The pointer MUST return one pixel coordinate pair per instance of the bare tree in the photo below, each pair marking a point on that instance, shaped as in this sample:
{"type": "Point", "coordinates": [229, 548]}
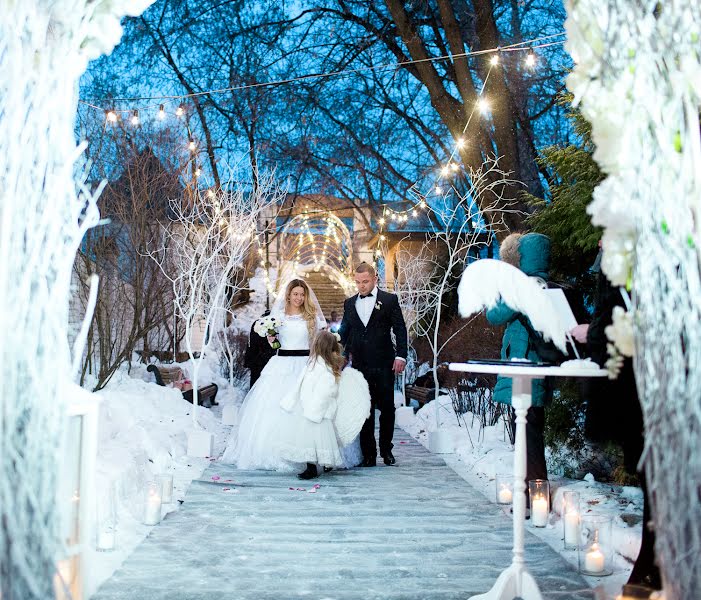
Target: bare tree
{"type": "Point", "coordinates": [427, 277]}
{"type": "Point", "coordinates": [134, 302]}
{"type": "Point", "coordinates": [209, 241]}
{"type": "Point", "coordinates": [369, 135]}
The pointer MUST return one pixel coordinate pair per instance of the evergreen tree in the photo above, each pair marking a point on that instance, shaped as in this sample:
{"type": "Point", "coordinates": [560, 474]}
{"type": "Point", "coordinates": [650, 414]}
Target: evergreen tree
{"type": "Point", "coordinates": [562, 214]}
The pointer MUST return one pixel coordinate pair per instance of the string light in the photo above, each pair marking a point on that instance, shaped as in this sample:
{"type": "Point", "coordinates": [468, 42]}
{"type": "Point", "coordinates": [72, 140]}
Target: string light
{"type": "Point", "coordinates": [452, 166]}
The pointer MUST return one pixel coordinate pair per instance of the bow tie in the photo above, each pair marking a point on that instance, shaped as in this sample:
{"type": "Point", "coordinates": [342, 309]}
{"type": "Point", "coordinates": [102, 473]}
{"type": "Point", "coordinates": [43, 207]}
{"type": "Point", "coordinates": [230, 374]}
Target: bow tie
{"type": "Point", "coordinates": [365, 296]}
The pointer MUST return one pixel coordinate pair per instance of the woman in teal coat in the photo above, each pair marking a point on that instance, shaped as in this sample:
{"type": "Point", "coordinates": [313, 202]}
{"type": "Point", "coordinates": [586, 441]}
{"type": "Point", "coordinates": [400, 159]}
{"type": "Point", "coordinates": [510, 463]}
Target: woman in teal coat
{"type": "Point", "coordinates": [531, 254]}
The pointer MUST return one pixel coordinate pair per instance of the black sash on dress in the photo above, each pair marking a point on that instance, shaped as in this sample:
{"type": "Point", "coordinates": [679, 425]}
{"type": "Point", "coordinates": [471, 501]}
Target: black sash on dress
{"type": "Point", "coordinates": [282, 352]}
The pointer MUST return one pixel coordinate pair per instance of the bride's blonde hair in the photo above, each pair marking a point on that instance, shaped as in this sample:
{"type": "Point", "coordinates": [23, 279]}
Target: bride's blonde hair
{"type": "Point", "coordinates": [327, 348]}
{"type": "Point", "coordinates": [308, 310]}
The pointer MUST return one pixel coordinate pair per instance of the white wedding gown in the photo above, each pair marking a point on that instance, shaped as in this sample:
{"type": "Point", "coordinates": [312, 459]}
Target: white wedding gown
{"type": "Point", "coordinates": [253, 446]}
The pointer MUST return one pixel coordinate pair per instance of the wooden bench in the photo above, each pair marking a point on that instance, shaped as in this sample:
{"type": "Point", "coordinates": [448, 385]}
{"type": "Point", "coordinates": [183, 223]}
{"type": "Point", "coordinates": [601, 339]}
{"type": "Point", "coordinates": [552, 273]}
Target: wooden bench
{"type": "Point", "coordinates": [206, 395]}
{"type": "Point", "coordinates": [421, 394]}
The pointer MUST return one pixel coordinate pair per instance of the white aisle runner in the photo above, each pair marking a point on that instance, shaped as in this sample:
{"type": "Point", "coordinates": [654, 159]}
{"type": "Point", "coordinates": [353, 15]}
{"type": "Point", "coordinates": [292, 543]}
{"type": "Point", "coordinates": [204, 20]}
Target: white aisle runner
{"type": "Point", "coordinates": [414, 531]}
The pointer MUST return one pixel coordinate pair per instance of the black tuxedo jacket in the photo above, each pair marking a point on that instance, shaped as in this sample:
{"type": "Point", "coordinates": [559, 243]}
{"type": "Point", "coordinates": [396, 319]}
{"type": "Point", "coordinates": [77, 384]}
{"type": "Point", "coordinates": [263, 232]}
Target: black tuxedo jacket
{"type": "Point", "coordinates": [371, 345]}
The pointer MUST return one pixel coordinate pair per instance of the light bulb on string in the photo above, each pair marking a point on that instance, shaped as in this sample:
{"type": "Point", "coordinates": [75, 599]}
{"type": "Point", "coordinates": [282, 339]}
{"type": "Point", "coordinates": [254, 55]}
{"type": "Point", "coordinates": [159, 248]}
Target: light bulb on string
{"type": "Point", "coordinates": [530, 59]}
{"type": "Point", "coordinates": [192, 146]}
{"type": "Point", "coordinates": [422, 204]}
{"type": "Point", "coordinates": [135, 117]}
{"type": "Point", "coordinates": [161, 112]}
{"type": "Point", "coordinates": [198, 172]}
{"type": "Point", "coordinates": [439, 190]}
{"type": "Point", "coordinates": [111, 116]}
{"type": "Point", "coordinates": [483, 105]}
{"type": "Point", "coordinates": [382, 221]}
{"type": "Point", "coordinates": [494, 61]}
{"type": "Point", "coordinates": [445, 171]}
{"type": "Point", "coordinates": [180, 111]}
{"type": "Point", "coordinates": [454, 166]}
{"type": "Point", "coordinates": [414, 213]}
{"type": "Point", "coordinates": [461, 143]}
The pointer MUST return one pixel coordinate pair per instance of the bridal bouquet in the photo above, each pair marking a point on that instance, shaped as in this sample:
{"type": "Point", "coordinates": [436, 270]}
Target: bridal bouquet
{"type": "Point", "coordinates": [268, 327]}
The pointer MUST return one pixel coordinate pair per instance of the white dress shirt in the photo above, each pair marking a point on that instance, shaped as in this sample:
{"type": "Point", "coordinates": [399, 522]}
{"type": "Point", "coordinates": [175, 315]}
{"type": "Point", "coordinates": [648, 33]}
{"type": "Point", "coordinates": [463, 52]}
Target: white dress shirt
{"type": "Point", "coordinates": [365, 306]}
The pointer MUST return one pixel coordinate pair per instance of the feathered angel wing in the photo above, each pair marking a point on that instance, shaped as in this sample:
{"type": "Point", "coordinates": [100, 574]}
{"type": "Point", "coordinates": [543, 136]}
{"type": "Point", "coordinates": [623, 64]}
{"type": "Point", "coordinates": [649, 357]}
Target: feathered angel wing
{"type": "Point", "coordinates": [485, 281]}
{"type": "Point", "coordinates": [353, 406]}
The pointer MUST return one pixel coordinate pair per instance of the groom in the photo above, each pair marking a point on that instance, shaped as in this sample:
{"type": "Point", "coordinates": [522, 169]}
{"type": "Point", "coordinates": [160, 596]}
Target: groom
{"type": "Point", "coordinates": [369, 318]}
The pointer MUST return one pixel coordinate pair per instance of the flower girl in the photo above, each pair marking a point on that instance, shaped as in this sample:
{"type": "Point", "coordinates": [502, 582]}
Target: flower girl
{"type": "Point", "coordinates": [309, 434]}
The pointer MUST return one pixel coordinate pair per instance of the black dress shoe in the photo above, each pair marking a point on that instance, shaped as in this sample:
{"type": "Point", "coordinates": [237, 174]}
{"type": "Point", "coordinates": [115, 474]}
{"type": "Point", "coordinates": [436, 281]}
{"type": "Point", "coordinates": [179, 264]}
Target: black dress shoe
{"type": "Point", "coordinates": [389, 459]}
{"type": "Point", "coordinates": [328, 469]}
{"type": "Point", "coordinates": [309, 473]}
{"type": "Point", "coordinates": [369, 462]}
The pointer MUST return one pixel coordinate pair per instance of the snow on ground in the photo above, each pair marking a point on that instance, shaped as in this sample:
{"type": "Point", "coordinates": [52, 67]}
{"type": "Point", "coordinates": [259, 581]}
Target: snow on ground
{"type": "Point", "coordinates": [142, 433]}
{"type": "Point", "coordinates": [478, 459]}
{"type": "Point", "coordinates": [255, 307]}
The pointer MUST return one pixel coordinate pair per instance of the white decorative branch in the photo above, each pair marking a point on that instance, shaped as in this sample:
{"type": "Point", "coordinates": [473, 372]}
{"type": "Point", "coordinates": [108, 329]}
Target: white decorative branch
{"type": "Point", "coordinates": [638, 80]}
{"type": "Point", "coordinates": [207, 242]}
{"type": "Point", "coordinates": [44, 48]}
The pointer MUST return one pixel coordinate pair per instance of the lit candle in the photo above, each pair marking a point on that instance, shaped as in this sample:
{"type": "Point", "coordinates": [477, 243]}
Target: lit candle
{"type": "Point", "coordinates": [594, 560]}
{"type": "Point", "coordinates": [539, 511]}
{"type": "Point", "coordinates": [152, 511]}
{"type": "Point", "coordinates": [571, 528]}
{"type": "Point", "coordinates": [505, 495]}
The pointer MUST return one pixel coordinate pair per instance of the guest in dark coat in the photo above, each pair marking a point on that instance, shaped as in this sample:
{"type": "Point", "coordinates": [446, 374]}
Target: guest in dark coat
{"type": "Point", "coordinates": [258, 352]}
{"type": "Point", "coordinates": [613, 414]}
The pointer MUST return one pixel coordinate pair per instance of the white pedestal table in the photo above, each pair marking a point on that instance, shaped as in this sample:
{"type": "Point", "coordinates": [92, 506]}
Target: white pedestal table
{"type": "Point", "coordinates": [515, 581]}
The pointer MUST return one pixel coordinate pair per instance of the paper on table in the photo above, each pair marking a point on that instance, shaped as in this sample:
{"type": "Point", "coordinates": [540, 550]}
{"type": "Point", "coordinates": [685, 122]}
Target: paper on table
{"type": "Point", "coordinates": [562, 308]}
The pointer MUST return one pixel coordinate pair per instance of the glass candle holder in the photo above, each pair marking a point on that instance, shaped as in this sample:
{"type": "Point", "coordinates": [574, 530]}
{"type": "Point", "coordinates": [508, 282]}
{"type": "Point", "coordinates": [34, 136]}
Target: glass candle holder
{"type": "Point", "coordinates": [152, 503]}
{"type": "Point", "coordinates": [107, 520]}
{"type": "Point", "coordinates": [595, 550]}
{"type": "Point", "coordinates": [632, 591]}
{"type": "Point", "coordinates": [570, 518]}
{"type": "Point", "coordinates": [166, 480]}
{"type": "Point", "coordinates": [539, 493]}
{"type": "Point", "coordinates": [504, 488]}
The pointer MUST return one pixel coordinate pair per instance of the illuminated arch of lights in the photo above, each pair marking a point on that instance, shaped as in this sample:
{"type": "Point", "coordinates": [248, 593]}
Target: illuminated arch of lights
{"type": "Point", "coordinates": [317, 242]}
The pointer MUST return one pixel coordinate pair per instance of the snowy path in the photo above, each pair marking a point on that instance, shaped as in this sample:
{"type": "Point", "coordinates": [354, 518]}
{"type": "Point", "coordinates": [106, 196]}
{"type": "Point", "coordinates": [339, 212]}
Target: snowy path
{"type": "Point", "coordinates": [410, 532]}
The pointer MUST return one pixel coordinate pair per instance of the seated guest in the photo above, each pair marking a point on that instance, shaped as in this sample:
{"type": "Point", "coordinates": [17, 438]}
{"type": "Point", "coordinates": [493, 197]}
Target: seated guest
{"type": "Point", "coordinates": [335, 322]}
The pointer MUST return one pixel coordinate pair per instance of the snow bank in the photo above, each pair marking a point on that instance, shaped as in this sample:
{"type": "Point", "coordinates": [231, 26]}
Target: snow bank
{"type": "Point", "coordinates": [142, 433]}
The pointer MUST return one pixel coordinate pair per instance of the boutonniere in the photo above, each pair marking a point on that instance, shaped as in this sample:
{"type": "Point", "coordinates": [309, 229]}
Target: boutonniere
{"type": "Point", "coordinates": [378, 305]}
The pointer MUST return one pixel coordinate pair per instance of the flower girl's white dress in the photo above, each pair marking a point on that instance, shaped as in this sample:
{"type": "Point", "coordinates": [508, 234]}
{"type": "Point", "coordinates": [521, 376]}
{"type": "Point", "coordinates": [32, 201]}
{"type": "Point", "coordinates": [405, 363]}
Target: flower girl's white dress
{"type": "Point", "coordinates": [308, 434]}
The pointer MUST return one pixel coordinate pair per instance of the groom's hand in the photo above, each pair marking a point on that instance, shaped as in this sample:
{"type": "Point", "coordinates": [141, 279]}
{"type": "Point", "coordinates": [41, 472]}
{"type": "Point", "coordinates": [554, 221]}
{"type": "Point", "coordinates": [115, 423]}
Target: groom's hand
{"type": "Point", "coordinates": [398, 366]}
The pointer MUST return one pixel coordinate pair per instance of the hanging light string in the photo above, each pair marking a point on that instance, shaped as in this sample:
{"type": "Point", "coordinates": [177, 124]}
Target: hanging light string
{"type": "Point", "coordinates": [161, 100]}
{"type": "Point", "coordinates": [400, 216]}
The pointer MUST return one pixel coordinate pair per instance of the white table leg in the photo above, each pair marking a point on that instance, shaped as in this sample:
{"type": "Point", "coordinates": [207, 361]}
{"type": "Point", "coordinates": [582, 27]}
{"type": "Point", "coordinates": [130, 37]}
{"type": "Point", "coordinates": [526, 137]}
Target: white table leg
{"type": "Point", "coordinates": [515, 581]}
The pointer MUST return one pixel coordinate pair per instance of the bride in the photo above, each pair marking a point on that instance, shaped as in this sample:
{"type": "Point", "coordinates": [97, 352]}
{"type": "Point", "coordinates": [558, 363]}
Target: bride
{"type": "Point", "coordinates": [252, 446]}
